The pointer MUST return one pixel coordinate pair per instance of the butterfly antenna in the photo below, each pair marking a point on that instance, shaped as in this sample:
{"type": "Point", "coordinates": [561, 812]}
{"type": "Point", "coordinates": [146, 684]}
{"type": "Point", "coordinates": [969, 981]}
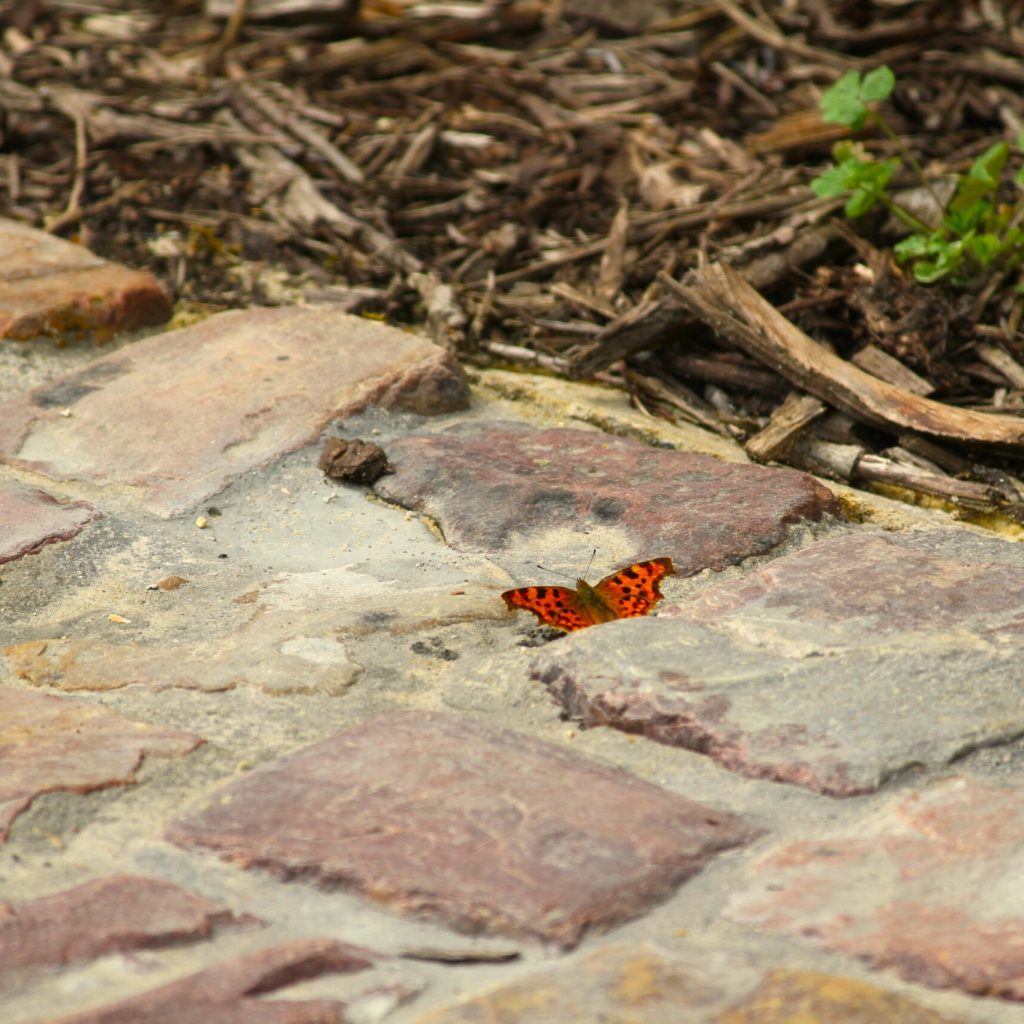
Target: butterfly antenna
{"type": "Point", "coordinates": [554, 572]}
{"type": "Point", "coordinates": [590, 563]}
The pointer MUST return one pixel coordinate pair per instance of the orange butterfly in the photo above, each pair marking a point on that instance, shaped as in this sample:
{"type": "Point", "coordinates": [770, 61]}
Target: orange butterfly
{"type": "Point", "coordinates": [625, 594]}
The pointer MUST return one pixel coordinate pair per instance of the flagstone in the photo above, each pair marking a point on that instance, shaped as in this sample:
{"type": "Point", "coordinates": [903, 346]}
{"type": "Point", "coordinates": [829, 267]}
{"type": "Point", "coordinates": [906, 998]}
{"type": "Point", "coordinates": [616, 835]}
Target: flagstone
{"type": "Point", "coordinates": [927, 885]}
{"type": "Point", "coordinates": [491, 485]}
{"type": "Point", "coordinates": [834, 668]}
{"type": "Point", "coordinates": [113, 914]}
{"type": "Point", "coordinates": [442, 815]}
{"type": "Point", "coordinates": [171, 420]}
{"type": "Point", "coordinates": [49, 286]}
{"type": "Point", "coordinates": [31, 518]}
{"type": "Point", "coordinates": [789, 997]}
{"type": "Point", "coordinates": [615, 984]}
{"type": "Point", "coordinates": [54, 744]}
{"type": "Point", "coordinates": [235, 991]}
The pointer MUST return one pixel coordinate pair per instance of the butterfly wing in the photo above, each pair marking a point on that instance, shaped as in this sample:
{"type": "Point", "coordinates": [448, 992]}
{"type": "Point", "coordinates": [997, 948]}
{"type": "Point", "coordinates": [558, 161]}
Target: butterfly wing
{"type": "Point", "coordinates": [554, 606]}
{"type": "Point", "coordinates": [634, 590]}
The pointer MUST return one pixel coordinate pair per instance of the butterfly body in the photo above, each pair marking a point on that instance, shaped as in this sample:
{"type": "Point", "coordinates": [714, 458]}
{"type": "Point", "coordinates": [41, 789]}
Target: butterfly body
{"type": "Point", "coordinates": [627, 593]}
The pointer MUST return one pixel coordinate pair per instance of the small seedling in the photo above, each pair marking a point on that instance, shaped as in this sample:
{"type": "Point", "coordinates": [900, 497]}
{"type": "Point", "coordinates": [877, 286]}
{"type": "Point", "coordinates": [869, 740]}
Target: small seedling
{"type": "Point", "coordinates": [976, 233]}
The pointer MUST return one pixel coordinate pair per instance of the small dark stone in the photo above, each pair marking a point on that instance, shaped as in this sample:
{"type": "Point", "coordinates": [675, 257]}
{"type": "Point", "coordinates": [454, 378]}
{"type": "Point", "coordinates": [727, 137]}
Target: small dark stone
{"type": "Point", "coordinates": [434, 648]}
{"type": "Point", "coordinates": [360, 462]}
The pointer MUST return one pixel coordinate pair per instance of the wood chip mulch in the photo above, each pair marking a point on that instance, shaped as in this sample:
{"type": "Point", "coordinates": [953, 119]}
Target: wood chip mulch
{"type": "Point", "coordinates": [597, 190]}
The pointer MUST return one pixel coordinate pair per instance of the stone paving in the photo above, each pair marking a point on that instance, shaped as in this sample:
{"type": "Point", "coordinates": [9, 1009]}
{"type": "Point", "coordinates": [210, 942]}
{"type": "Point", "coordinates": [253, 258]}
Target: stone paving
{"type": "Point", "coordinates": [273, 749]}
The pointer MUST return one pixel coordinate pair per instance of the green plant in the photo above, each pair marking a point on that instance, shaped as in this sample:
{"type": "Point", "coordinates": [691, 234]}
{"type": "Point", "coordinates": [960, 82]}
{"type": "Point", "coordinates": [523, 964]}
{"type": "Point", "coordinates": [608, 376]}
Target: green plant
{"type": "Point", "coordinates": [976, 232]}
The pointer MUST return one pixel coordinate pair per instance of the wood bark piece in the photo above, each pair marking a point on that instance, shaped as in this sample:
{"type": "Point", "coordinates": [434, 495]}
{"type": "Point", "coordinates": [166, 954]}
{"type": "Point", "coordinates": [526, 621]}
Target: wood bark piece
{"type": "Point", "coordinates": [681, 399]}
{"type": "Point", "coordinates": [267, 10]}
{"type": "Point", "coordinates": [610, 276]}
{"type": "Point", "coordinates": [788, 420]}
{"type": "Point", "coordinates": [945, 459]}
{"type": "Point", "coordinates": [658, 319]}
{"type": "Point", "coordinates": [293, 197]}
{"type": "Point", "coordinates": [722, 299]}
{"type": "Point", "coordinates": [958, 492]}
{"type": "Point", "coordinates": [1001, 360]}
{"type": "Point", "coordinates": [853, 464]}
{"type": "Point", "coordinates": [799, 130]}
{"type": "Point", "coordinates": [826, 458]}
{"type": "Point", "coordinates": [880, 364]}
{"type": "Point", "coordinates": [290, 122]}
{"type": "Point", "coordinates": [729, 375]}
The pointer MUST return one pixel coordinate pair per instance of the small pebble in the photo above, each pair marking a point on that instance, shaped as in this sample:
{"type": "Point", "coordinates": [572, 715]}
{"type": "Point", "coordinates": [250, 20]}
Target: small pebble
{"type": "Point", "coordinates": [172, 582]}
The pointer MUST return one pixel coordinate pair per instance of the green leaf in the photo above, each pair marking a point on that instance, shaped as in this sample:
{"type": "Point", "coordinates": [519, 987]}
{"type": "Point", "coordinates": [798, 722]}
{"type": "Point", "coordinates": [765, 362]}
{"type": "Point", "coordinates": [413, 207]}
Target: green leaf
{"type": "Point", "coordinates": [842, 104]}
{"type": "Point", "coordinates": [847, 149]}
{"type": "Point", "coordinates": [963, 218]}
{"type": "Point", "coordinates": [983, 248]}
{"type": "Point", "coordinates": [927, 272]}
{"type": "Point", "coordinates": [949, 259]}
{"type": "Point", "coordinates": [846, 102]}
{"type": "Point", "coordinates": [912, 247]}
{"type": "Point", "coordinates": [878, 175]}
{"type": "Point", "coordinates": [833, 182]}
{"type": "Point", "coordinates": [989, 166]}
{"type": "Point", "coordinates": [860, 202]}
{"type": "Point", "coordinates": [1018, 178]}
{"type": "Point", "coordinates": [945, 256]}
{"type": "Point", "coordinates": [878, 84]}
{"type": "Point", "coordinates": [867, 182]}
{"type": "Point", "coordinates": [983, 177]}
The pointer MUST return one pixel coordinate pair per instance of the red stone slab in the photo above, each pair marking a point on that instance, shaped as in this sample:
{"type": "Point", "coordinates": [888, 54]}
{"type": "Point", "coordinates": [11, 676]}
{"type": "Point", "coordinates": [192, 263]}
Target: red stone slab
{"type": "Point", "coordinates": [106, 915]}
{"type": "Point", "coordinates": [52, 287]}
{"type": "Point", "coordinates": [176, 417]}
{"type": "Point", "coordinates": [50, 744]}
{"type": "Point", "coordinates": [864, 587]}
{"type": "Point", "coordinates": [486, 484]}
{"type": "Point", "coordinates": [30, 519]}
{"type": "Point", "coordinates": [929, 885]}
{"type": "Point", "coordinates": [234, 992]}
{"type": "Point", "coordinates": [487, 829]}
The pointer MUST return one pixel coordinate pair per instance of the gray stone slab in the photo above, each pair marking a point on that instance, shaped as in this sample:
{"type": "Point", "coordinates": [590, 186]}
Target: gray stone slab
{"type": "Point", "coordinates": [486, 829]}
{"type": "Point", "coordinates": [31, 518]}
{"type": "Point", "coordinates": [49, 286]}
{"type": "Point", "coordinates": [487, 484]}
{"type": "Point", "coordinates": [834, 668]}
{"type": "Point", "coordinates": [927, 885]}
{"type": "Point", "coordinates": [173, 419]}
